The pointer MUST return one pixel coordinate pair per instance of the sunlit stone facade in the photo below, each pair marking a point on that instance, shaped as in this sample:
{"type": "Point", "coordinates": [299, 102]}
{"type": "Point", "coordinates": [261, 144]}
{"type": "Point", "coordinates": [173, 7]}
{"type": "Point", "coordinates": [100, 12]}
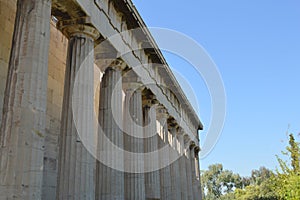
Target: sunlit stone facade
{"type": "Point", "coordinates": [53, 107]}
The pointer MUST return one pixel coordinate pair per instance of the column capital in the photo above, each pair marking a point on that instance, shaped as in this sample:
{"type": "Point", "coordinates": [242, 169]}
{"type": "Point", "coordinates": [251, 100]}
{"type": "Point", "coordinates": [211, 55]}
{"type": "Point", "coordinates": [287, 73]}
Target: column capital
{"type": "Point", "coordinates": [172, 124]}
{"type": "Point", "coordinates": [149, 100]}
{"type": "Point", "coordinates": [118, 64]}
{"type": "Point", "coordinates": [197, 149]}
{"type": "Point", "coordinates": [180, 131]}
{"type": "Point", "coordinates": [148, 103]}
{"type": "Point", "coordinates": [78, 27]}
{"type": "Point", "coordinates": [162, 112]}
{"type": "Point", "coordinates": [192, 145]}
{"type": "Point", "coordinates": [132, 84]}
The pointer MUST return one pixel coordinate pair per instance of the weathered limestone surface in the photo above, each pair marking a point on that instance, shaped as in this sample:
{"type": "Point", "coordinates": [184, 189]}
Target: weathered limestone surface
{"type": "Point", "coordinates": [133, 121]}
{"type": "Point", "coordinates": [193, 170]}
{"type": "Point", "coordinates": [7, 18]}
{"type": "Point", "coordinates": [152, 179]}
{"type": "Point", "coordinates": [188, 172]}
{"type": "Point", "coordinates": [56, 63]}
{"type": "Point", "coordinates": [165, 173]}
{"type": "Point", "coordinates": [198, 182]}
{"type": "Point", "coordinates": [24, 108]}
{"type": "Point", "coordinates": [175, 170]}
{"type": "Point", "coordinates": [182, 167]}
{"type": "Point", "coordinates": [56, 72]}
{"type": "Point", "coordinates": [110, 182]}
{"type": "Point", "coordinates": [77, 166]}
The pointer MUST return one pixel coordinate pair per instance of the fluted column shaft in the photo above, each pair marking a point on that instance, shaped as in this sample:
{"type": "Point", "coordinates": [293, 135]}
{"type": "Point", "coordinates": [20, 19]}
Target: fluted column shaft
{"type": "Point", "coordinates": [189, 172]}
{"type": "Point", "coordinates": [198, 175]}
{"type": "Point", "coordinates": [194, 175]}
{"type": "Point", "coordinates": [175, 170]}
{"type": "Point", "coordinates": [76, 164]}
{"type": "Point", "coordinates": [182, 166]}
{"type": "Point", "coordinates": [24, 109]}
{"type": "Point", "coordinates": [152, 180]}
{"type": "Point", "coordinates": [165, 173]}
{"type": "Point", "coordinates": [110, 181]}
{"type": "Point", "coordinates": [134, 182]}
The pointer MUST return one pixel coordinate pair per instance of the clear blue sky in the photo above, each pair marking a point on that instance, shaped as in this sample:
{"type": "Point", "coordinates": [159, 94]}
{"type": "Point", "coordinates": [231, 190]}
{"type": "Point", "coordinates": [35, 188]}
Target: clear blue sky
{"type": "Point", "coordinates": [256, 46]}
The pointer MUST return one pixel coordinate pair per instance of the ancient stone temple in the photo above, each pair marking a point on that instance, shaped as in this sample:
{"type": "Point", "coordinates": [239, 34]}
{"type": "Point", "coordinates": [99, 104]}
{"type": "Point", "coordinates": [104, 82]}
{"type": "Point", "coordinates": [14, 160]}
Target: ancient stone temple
{"type": "Point", "coordinates": [91, 109]}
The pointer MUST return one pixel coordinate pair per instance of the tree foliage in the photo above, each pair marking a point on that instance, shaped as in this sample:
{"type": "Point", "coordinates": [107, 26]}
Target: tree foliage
{"type": "Point", "coordinates": [216, 182]}
{"type": "Point", "coordinates": [287, 179]}
{"type": "Point", "coordinates": [263, 184]}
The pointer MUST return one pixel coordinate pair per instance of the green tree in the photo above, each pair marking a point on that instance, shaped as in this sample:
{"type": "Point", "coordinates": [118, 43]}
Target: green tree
{"type": "Point", "coordinates": [261, 175]}
{"type": "Point", "coordinates": [217, 182]}
{"type": "Point", "coordinates": [220, 184]}
{"type": "Point", "coordinates": [211, 182]}
{"type": "Point", "coordinates": [295, 154]}
{"type": "Point", "coordinates": [287, 181]}
{"type": "Point", "coordinates": [260, 188]}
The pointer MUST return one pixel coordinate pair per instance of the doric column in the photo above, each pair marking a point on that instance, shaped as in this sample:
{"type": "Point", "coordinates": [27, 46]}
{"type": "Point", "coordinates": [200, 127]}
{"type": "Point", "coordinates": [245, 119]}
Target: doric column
{"type": "Point", "coordinates": [110, 181]}
{"type": "Point", "coordinates": [133, 140]}
{"type": "Point", "coordinates": [182, 166]}
{"type": "Point", "coordinates": [76, 164]}
{"type": "Point", "coordinates": [195, 171]}
{"type": "Point", "coordinates": [175, 170]}
{"type": "Point", "coordinates": [152, 180]}
{"type": "Point", "coordinates": [165, 173]}
{"type": "Point", "coordinates": [198, 175]}
{"type": "Point", "coordinates": [25, 99]}
{"type": "Point", "coordinates": [188, 169]}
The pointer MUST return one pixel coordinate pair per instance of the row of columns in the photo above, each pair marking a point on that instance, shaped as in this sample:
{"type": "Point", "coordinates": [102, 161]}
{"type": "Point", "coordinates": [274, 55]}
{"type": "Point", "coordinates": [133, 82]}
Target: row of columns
{"type": "Point", "coordinates": [80, 176]}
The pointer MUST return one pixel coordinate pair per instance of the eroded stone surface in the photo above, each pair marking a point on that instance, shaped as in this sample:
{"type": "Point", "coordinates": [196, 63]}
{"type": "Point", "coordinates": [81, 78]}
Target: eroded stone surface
{"type": "Point", "coordinates": [24, 108]}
